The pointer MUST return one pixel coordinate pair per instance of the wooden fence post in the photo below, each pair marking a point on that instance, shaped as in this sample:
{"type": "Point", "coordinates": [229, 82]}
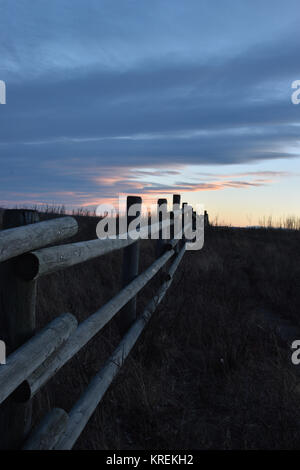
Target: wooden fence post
{"type": "Point", "coordinates": [176, 205]}
{"type": "Point", "coordinates": [160, 246]}
{"type": "Point", "coordinates": [131, 255]}
{"type": "Point", "coordinates": [17, 325]}
{"type": "Point", "coordinates": [161, 242]}
{"type": "Point", "coordinates": [183, 222]}
{"type": "Point", "coordinates": [206, 219]}
{"type": "Point", "coordinates": [194, 215]}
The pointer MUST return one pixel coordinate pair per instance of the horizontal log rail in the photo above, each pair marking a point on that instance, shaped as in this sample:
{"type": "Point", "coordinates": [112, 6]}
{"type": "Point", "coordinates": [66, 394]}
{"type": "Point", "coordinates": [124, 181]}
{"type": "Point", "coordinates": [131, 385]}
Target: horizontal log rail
{"type": "Point", "coordinates": [32, 364]}
{"type": "Point", "coordinates": [21, 363]}
{"type": "Point", "coordinates": [19, 240]}
{"type": "Point", "coordinates": [47, 434]}
{"type": "Point", "coordinates": [48, 260]}
{"type": "Point", "coordinates": [84, 408]}
{"type": "Point", "coordinates": [86, 331]}
{"type": "Point", "coordinates": [172, 243]}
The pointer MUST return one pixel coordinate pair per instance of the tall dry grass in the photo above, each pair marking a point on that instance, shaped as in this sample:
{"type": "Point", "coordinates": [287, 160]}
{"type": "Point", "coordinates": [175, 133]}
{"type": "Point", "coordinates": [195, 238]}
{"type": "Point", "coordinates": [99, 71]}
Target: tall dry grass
{"type": "Point", "coordinates": [289, 223]}
{"type": "Point", "coordinates": [205, 374]}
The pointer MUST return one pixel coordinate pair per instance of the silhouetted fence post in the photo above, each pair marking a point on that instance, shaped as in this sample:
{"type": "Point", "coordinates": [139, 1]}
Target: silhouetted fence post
{"type": "Point", "coordinates": [131, 256]}
{"type": "Point", "coordinates": [206, 219]}
{"type": "Point", "coordinates": [26, 256]}
{"type": "Point", "coordinates": [184, 204]}
{"type": "Point", "coordinates": [174, 227]}
{"type": "Point", "coordinates": [194, 215]}
{"type": "Point", "coordinates": [17, 325]}
{"type": "Point", "coordinates": [162, 216]}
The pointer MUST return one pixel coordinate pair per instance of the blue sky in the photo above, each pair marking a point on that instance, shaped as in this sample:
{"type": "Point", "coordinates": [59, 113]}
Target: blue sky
{"type": "Point", "coordinates": [151, 98]}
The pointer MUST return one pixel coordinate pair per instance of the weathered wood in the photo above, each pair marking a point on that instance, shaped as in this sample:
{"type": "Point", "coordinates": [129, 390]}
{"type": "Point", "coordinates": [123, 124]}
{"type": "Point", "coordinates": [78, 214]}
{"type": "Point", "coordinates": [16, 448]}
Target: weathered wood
{"type": "Point", "coordinates": [176, 200]}
{"type": "Point", "coordinates": [176, 207]}
{"type": "Point", "coordinates": [17, 321]}
{"type": "Point", "coordinates": [84, 408]}
{"type": "Point", "coordinates": [16, 241]}
{"type": "Point", "coordinates": [176, 262]}
{"type": "Point", "coordinates": [147, 230]}
{"type": "Point", "coordinates": [21, 363]}
{"type": "Point", "coordinates": [24, 376]}
{"type": "Point", "coordinates": [174, 243]}
{"type": "Point", "coordinates": [206, 219]}
{"type": "Point", "coordinates": [184, 204]}
{"type": "Point", "coordinates": [187, 221]}
{"type": "Point", "coordinates": [88, 329]}
{"type": "Point", "coordinates": [17, 298]}
{"type": "Point", "coordinates": [162, 242]}
{"type": "Point", "coordinates": [131, 256]}
{"type": "Point", "coordinates": [49, 431]}
{"type": "Point", "coordinates": [175, 228]}
{"type": "Point", "coordinates": [48, 260]}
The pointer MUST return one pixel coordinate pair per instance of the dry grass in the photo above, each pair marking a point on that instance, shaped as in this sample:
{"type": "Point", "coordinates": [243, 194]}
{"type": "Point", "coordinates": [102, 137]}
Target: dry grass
{"type": "Point", "coordinates": [288, 223]}
{"type": "Point", "coordinates": [204, 375]}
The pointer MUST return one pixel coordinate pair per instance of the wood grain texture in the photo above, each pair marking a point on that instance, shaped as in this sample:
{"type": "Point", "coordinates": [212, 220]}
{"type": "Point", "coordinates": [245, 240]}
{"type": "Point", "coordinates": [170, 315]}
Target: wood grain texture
{"type": "Point", "coordinates": [16, 241]}
{"type": "Point", "coordinates": [21, 363]}
{"type": "Point", "coordinates": [84, 408]}
{"type": "Point", "coordinates": [89, 328]}
{"type": "Point", "coordinates": [49, 431]}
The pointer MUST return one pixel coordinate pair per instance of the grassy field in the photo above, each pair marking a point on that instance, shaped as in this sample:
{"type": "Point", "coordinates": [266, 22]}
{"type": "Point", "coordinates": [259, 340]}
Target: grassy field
{"type": "Point", "coordinates": [207, 373]}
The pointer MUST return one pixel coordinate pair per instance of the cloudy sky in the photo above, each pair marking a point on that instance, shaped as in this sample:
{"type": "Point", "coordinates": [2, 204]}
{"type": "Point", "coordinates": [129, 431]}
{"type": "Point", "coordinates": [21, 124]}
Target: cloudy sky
{"type": "Point", "coordinates": [108, 97]}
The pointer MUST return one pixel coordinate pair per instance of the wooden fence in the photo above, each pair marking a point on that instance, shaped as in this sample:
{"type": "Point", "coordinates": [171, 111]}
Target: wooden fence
{"type": "Point", "coordinates": [33, 358]}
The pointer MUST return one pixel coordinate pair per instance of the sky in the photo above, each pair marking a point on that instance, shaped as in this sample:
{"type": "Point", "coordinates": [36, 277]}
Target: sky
{"type": "Point", "coordinates": [109, 97]}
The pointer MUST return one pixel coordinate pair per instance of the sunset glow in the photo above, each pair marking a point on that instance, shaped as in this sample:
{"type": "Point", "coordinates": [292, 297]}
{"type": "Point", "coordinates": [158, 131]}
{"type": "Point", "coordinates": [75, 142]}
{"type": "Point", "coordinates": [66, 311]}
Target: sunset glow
{"type": "Point", "coordinates": [196, 101]}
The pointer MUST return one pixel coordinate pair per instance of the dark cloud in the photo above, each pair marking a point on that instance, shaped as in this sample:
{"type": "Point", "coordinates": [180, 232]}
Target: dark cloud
{"type": "Point", "coordinates": [63, 124]}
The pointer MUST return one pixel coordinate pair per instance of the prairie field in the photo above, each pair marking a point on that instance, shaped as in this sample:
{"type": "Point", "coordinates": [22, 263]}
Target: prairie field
{"type": "Point", "coordinates": [210, 371]}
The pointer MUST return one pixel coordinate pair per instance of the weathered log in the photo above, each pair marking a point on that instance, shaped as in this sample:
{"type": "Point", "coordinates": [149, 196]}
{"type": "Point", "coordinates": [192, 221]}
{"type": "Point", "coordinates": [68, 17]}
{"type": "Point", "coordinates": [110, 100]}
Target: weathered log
{"type": "Point", "coordinates": [161, 244]}
{"type": "Point", "coordinates": [85, 407]}
{"type": "Point", "coordinates": [49, 431]}
{"type": "Point", "coordinates": [175, 235]}
{"type": "Point", "coordinates": [87, 330]}
{"type": "Point", "coordinates": [173, 243]}
{"type": "Point", "coordinates": [21, 363]}
{"type": "Point", "coordinates": [16, 241]}
{"type": "Point", "coordinates": [130, 267]}
{"type": "Point", "coordinates": [17, 325]}
{"type": "Point", "coordinates": [176, 262]}
{"type": "Point", "coordinates": [48, 260]}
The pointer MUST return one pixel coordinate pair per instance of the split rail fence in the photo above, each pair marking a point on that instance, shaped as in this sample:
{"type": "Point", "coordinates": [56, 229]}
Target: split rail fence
{"type": "Point", "coordinates": [33, 358]}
